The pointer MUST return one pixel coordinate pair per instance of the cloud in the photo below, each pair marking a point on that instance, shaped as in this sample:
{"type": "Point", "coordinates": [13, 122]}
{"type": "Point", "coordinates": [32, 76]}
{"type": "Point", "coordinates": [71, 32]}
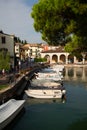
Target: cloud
{"type": "Point", "coordinates": [15, 19]}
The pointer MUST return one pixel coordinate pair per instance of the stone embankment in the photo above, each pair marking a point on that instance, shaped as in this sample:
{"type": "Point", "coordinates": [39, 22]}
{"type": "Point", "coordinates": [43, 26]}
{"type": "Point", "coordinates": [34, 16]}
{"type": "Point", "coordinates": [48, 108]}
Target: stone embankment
{"type": "Point", "coordinates": [16, 88]}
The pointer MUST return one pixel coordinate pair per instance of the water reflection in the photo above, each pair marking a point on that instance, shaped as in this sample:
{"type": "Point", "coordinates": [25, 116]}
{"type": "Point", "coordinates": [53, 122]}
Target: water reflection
{"type": "Point", "coordinates": [75, 73]}
{"type": "Point", "coordinates": [34, 101]}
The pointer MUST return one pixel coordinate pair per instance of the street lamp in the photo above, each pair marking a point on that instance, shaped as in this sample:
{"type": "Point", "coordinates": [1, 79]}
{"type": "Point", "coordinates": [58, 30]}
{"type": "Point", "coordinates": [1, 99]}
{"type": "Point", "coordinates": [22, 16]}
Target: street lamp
{"type": "Point", "coordinates": [30, 54]}
{"type": "Point", "coordinates": [19, 63]}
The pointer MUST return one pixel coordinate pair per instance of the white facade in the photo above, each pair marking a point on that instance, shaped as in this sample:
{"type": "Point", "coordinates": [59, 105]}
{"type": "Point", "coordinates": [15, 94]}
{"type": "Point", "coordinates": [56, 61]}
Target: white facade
{"type": "Point", "coordinates": [59, 57]}
{"type": "Point", "coordinates": [32, 50]}
{"type": "Point", "coordinates": [17, 50]}
{"type": "Point", "coordinates": [55, 56]}
{"type": "Point", "coordinates": [7, 42]}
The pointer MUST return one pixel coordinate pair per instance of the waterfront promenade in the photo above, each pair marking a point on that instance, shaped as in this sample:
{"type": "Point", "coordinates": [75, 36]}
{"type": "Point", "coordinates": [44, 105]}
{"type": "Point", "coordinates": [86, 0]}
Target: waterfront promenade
{"type": "Point", "coordinates": [18, 82]}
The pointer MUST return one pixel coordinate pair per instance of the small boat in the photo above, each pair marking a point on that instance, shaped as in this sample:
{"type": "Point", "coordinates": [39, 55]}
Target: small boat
{"type": "Point", "coordinates": [49, 74]}
{"type": "Point", "coordinates": [45, 93]}
{"type": "Point", "coordinates": [44, 83]}
{"type": "Point", "coordinates": [53, 78]}
{"type": "Point", "coordinates": [9, 110]}
{"type": "Point", "coordinates": [45, 89]}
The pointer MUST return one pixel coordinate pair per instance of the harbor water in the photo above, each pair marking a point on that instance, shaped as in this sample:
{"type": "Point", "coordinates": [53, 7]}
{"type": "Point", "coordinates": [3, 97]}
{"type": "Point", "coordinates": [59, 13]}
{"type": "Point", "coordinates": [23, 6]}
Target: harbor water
{"type": "Point", "coordinates": [67, 114]}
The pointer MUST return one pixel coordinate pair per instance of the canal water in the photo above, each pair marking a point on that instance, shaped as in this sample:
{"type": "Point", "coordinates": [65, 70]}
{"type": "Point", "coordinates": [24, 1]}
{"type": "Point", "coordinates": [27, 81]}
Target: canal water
{"type": "Point", "coordinates": [69, 114]}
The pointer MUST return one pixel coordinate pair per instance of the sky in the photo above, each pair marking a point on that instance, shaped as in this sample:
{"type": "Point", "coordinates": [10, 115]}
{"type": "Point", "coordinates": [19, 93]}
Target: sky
{"type": "Point", "coordinates": [15, 18]}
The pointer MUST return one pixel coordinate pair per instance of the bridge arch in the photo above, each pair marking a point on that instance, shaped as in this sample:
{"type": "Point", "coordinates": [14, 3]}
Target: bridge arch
{"type": "Point", "coordinates": [54, 58]}
{"type": "Point", "coordinates": [70, 58]}
{"type": "Point", "coordinates": [62, 58]}
{"type": "Point", "coordinates": [47, 57]}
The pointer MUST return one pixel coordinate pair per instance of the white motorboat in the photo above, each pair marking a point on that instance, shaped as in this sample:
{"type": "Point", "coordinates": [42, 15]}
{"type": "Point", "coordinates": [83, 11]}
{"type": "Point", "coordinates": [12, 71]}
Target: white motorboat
{"type": "Point", "coordinates": [45, 93]}
{"type": "Point", "coordinates": [45, 89]}
{"type": "Point", "coordinates": [54, 73]}
{"type": "Point", "coordinates": [53, 78]}
{"type": "Point", "coordinates": [9, 110]}
{"type": "Point", "coordinates": [35, 83]}
{"type": "Point", "coordinates": [49, 75]}
{"type": "Point", "coordinates": [54, 68]}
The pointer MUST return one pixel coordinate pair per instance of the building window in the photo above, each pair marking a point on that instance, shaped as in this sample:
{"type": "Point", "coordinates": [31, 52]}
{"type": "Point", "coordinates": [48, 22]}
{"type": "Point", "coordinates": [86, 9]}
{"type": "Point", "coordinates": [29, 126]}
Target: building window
{"type": "Point", "coordinates": [30, 52]}
{"type": "Point", "coordinates": [3, 40]}
{"type": "Point", "coordinates": [17, 50]}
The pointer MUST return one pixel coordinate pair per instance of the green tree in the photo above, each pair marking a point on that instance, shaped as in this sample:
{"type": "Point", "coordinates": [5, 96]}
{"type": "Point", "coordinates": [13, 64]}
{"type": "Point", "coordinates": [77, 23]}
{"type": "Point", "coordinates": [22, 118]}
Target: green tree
{"type": "Point", "coordinates": [56, 20]}
{"type": "Point", "coordinates": [40, 60]}
{"type": "Point", "coordinates": [25, 42]}
{"type": "Point", "coordinates": [4, 60]}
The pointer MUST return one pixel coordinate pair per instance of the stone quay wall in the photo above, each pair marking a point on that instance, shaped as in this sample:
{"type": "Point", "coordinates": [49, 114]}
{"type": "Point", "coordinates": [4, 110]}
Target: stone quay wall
{"type": "Point", "coordinates": [16, 88]}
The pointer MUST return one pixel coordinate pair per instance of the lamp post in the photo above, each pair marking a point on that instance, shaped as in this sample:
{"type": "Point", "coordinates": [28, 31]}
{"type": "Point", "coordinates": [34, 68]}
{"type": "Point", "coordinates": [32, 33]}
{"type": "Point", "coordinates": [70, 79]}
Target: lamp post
{"type": "Point", "coordinates": [19, 63]}
{"type": "Point", "coordinates": [30, 54]}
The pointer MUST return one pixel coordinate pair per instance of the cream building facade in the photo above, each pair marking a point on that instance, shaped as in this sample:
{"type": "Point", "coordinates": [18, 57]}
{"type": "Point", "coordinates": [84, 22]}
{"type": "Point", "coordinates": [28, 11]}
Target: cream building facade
{"type": "Point", "coordinates": [7, 42]}
{"type": "Point", "coordinates": [58, 55]}
{"type": "Point", "coordinates": [33, 50]}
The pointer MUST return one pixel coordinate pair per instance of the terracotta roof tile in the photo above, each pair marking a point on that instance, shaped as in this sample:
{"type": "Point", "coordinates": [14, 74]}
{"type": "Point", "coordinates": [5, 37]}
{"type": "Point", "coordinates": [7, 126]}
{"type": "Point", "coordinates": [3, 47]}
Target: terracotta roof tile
{"type": "Point", "coordinates": [59, 49]}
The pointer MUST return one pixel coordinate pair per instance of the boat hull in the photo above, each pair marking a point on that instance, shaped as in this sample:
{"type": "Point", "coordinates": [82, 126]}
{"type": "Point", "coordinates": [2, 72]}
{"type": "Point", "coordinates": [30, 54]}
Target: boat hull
{"type": "Point", "coordinates": [9, 111]}
{"type": "Point", "coordinates": [45, 94]}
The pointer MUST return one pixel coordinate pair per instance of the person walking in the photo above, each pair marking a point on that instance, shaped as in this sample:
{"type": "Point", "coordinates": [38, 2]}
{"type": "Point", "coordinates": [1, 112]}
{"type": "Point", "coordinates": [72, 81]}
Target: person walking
{"type": "Point", "coordinates": [3, 72]}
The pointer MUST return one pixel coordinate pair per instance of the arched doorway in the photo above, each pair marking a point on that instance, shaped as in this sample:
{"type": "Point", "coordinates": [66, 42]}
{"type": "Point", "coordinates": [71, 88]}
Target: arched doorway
{"type": "Point", "coordinates": [70, 59]}
{"type": "Point", "coordinates": [54, 58]}
{"type": "Point", "coordinates": [62, 59]}
{"type": "Point", "coordinates": [47, 57]}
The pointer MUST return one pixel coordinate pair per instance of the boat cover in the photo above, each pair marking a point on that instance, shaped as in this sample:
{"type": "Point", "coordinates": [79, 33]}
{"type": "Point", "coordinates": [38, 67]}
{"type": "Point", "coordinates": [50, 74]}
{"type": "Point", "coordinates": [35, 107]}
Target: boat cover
{"type": "Point", "coordinates": [8, 108]}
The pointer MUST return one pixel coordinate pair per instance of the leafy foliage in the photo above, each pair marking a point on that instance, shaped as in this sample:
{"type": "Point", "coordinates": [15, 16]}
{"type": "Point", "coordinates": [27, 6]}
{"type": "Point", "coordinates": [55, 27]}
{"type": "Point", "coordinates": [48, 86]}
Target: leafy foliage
{"type": "Point", "coordinates": [56, 20]}
{"type": "Point", "coordinates": [40, 60]}
{"type": "Point", "coordinates": [4, 60]}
